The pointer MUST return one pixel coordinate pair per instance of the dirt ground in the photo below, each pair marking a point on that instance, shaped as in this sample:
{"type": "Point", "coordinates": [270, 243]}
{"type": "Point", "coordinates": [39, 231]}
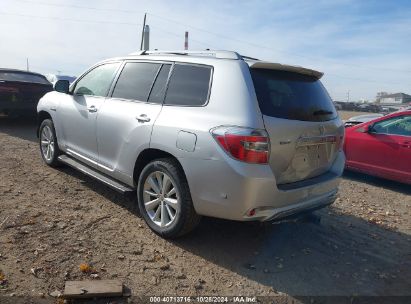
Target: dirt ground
{"type": "Point", "coordinates": [53, 220]}
{"type": "Point", "coordinates": [348, 114]}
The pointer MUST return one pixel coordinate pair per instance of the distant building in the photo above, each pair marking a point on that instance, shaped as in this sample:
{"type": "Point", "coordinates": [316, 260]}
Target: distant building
{"type": "Point", "coordinates": [380, 95]}
{"type": "Point", "coordinates": [394, 99]}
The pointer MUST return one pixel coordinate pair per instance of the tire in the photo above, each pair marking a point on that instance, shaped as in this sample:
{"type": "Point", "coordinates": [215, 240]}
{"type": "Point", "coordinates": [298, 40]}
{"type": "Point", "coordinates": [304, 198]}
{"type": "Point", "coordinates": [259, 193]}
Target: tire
{"type": "Point", "coordinates": [49, 148]}
{"type": "Point", "coordinates": [166, 203]}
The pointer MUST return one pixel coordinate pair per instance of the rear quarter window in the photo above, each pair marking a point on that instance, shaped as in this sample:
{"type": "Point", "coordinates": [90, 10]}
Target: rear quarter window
{"type": "Point", "coordinates": [189, 85]}
{"type": "Point", "coordinates": [292, 96]}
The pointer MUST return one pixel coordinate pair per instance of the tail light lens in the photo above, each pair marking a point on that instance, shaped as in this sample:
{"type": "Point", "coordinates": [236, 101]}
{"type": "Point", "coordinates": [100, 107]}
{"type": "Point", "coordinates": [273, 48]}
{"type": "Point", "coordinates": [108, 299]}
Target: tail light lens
{"type": "Point", "coordinates": [244, 144]}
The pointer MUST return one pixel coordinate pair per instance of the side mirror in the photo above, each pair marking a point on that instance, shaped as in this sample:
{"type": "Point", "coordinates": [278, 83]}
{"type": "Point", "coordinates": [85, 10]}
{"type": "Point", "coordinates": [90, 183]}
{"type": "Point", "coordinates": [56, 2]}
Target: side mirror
{"type": "Point", "coordinates": [62, 86]}
{"type": "Point", "coordinates": [365, 129]}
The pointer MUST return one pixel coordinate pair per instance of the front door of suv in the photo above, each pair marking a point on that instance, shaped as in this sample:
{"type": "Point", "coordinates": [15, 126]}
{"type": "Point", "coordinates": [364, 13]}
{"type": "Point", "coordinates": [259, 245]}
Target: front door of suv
{"type": "Point", "coordinates": [125, 121]}
{"type": "Point", "coordinates": [78, 112]}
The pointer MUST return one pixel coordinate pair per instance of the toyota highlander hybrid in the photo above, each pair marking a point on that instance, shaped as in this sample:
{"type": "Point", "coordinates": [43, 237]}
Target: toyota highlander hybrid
{"type": "Point", "coordinates": [196, 134]}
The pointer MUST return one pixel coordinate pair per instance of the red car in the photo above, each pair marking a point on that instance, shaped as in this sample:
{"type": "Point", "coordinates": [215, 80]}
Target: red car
{"type": "Point", "coordinates": [381, 147]}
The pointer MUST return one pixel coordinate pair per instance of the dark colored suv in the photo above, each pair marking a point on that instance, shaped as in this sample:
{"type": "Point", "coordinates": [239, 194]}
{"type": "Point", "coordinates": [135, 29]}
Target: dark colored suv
{"type": "Point", "coordinates": [20, 92]}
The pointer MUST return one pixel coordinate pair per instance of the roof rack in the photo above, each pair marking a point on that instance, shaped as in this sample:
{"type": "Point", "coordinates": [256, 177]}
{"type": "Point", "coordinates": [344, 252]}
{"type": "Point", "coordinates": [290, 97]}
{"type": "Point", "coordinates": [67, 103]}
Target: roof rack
{"type": "Point", "coordinates": [249, 58]}
{"type": "Point", "coordinates": [216, 54]}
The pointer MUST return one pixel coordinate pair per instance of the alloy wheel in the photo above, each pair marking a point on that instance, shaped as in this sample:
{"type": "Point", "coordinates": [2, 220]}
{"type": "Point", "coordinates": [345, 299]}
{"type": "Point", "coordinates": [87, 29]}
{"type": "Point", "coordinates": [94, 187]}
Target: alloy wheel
{"type": "Point", "coordinates": [47, 143]}
{"type": "Point", "coordinates": [161, 199]}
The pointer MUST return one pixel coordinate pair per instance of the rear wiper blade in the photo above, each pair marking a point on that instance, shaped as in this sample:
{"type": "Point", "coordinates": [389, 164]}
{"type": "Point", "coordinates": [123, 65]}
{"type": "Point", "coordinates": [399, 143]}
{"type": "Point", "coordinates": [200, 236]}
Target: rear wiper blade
{"type": "Point", "coordinates": [322, 112]}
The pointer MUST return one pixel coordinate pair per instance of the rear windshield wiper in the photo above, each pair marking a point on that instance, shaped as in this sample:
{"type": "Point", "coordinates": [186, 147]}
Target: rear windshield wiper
{"type": "Point", "coordinates": [322, 112]}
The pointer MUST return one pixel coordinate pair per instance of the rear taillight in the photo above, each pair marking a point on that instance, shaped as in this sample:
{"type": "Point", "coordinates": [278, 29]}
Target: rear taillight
{"type": "Point", "coordinates": [244, 144]}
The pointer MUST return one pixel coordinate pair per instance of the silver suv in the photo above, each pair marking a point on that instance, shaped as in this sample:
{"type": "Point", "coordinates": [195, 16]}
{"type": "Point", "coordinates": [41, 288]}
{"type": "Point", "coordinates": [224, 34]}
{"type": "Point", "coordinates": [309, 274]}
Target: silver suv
{"type": "Point", "coordinates": [199, 134]}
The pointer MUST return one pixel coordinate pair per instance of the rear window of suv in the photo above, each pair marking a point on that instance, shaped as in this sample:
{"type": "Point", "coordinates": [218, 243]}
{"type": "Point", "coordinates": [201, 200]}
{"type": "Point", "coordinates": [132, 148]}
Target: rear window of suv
{"type": "Point", "coordinates": [292, 96]}
{"type": "Point", "coordinates": [23, 77]}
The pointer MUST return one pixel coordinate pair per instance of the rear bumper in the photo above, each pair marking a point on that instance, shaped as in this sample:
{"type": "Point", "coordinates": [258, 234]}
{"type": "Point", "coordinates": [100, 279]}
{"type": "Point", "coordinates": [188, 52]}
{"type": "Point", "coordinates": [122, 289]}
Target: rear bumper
{"type": "Point", "coordinates": [229, 189]}
{"type": "Point", "coordinates": [274, 214]}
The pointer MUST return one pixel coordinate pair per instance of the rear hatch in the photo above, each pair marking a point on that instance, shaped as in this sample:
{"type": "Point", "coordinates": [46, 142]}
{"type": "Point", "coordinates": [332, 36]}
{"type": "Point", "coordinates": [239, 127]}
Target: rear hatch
{"type": "Point", "coordinates": [20, 90]}
{"type": "Point", "coordinates": [300, 118]}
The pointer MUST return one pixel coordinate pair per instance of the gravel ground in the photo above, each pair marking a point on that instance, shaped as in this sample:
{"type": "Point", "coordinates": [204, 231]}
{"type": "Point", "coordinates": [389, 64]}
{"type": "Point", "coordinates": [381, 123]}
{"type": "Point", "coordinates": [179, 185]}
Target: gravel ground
{"type": "Point", "coordinates": [54, 220]}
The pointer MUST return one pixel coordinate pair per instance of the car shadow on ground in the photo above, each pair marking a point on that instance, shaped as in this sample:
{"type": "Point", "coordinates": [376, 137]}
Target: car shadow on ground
{"type": "Point", "coordinates": [343, 255]}
{"type": "Point", "coordinates": [377, 182]}
{"type": "Point", "coordinates": [23, 127]}
{"type": "Point", "coordinates": [126, 201]}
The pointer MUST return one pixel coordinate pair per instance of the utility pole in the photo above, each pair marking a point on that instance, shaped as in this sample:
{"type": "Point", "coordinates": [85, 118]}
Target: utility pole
{"type": "Point", "coordinates": [348, 96]}
{"type": "Point", "coordinates": [186, 41]}
{"type": "Point", "coordinates": [142, 32]}
{"type": "Point", "coordinates": [27, 64]}
{"type": "Point", "coordinates": [146, 39]}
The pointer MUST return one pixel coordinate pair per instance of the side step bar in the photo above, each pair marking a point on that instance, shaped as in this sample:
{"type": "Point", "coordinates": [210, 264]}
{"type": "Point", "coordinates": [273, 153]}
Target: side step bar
{"type": "Point", "coordinates": [124, 189]}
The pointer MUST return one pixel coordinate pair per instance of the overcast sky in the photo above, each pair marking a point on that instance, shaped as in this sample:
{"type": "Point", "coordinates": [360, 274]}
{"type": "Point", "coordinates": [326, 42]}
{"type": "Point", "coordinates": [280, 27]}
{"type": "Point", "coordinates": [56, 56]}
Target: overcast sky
{"type": "Point", "coordinates": [362, 46]}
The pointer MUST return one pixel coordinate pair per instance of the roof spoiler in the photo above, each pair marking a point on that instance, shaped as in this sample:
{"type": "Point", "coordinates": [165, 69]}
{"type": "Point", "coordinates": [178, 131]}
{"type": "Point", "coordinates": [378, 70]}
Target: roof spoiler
{"type": "Point", "coordinates": [285, 67]}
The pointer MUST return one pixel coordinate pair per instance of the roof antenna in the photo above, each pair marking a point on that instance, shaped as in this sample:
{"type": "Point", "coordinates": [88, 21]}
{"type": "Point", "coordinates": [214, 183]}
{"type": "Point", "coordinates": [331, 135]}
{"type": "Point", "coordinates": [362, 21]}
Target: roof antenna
{"type": "Point", "coordinates": [142, 32]}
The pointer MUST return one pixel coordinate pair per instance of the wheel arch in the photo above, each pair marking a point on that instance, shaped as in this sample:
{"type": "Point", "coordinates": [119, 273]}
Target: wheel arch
{"type": "Point", "coordinates": [42, 115]}
{"type": "Point", "coordinates": [148, 155]}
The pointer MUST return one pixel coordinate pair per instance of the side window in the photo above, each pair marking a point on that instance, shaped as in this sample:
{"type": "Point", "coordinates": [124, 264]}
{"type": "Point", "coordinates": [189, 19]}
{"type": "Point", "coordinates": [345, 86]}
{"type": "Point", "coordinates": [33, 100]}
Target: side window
{"type": "Point", "coordinates": [97, 82]}
{"type": "Point", "coordinates": [159, 88]}
{"type": "Point", "coordinates": [189, 85]}
{"type": "Point", "coordinates": [400, 125]}
{"type": "Point", "coordinates": [135, 81]}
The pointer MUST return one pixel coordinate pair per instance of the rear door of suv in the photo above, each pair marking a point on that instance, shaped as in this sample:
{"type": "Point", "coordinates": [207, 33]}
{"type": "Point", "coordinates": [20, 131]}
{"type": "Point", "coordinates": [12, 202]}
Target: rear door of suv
{"type": "Point", "coordinates": [126, 119]}
{"type": "Point", "coordinates": [305, 131]}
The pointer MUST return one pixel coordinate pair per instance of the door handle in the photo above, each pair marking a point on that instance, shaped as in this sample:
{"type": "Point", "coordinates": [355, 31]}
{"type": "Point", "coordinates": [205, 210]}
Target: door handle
{"type": "Point", "coordinates": [92, 109]}
{"type": "Point", "coordinates": [143, 118]}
